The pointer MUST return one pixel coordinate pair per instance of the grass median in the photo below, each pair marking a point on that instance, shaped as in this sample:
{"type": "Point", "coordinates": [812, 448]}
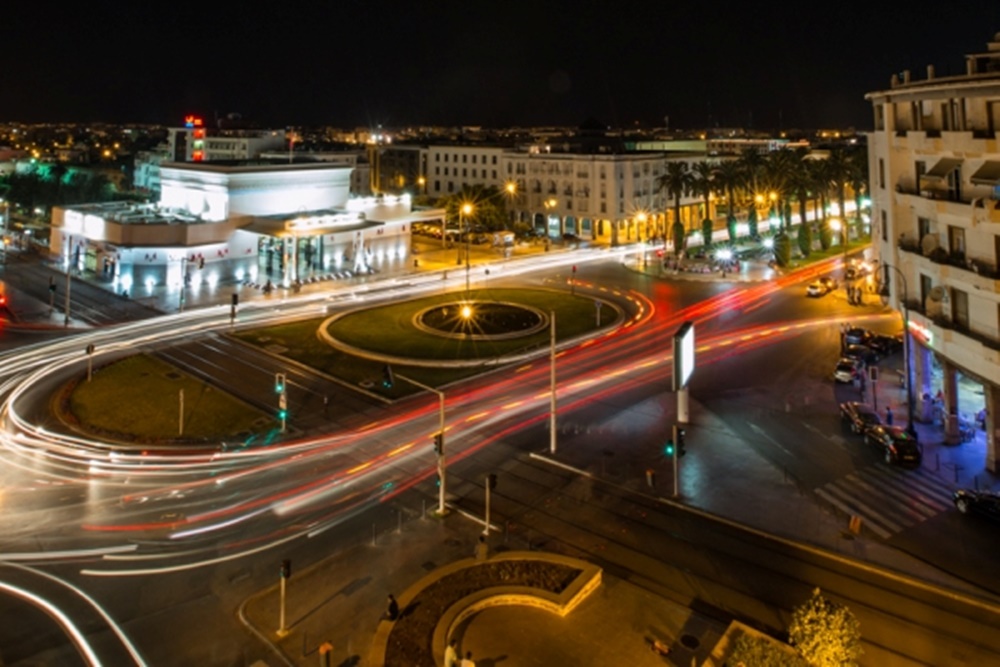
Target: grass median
{"type": "Point", "coordinates": [390, 330]}
{"type": "Point", "coordinates": [138, 399]}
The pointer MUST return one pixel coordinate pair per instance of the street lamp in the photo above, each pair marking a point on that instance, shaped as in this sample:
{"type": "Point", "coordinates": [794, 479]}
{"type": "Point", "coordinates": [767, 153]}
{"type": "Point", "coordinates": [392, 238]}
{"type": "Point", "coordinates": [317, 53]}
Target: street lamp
{"type": "Point", "coordinates": [641, 217]}
{"type": "Point", "coordinates": [438, 441]}
{"type": "Point", "coordinates": [511, 189]}
{"type": "Point", "coordinates": [466, 209]}
{"type": "Point", "coordinates": [884, 294]}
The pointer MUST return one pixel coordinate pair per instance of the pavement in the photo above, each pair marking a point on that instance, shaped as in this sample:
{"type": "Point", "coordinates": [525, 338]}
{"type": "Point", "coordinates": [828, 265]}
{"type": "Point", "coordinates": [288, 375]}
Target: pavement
{"type": "Point", "coordinates": [341, 598]}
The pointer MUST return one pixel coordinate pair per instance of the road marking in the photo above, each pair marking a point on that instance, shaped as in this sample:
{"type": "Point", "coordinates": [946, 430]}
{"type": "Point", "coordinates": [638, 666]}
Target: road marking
{"type": "Point", "coordinates": [835, 439]}
{"type": "Point", "coordinates": [884, 534]}
{"type": "Point", "coordinates": [872, 515]}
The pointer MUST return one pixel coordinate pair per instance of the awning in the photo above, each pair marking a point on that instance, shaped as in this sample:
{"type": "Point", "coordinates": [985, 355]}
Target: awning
{"type": "Point", "coordinates": [944, 167]}
{"type": "Point", "coordinates": [988, 174]}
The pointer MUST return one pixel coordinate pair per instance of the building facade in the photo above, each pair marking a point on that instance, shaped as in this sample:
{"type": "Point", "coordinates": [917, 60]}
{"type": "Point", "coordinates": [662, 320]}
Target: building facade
{"type": "Point", "coordinates": [934, 161]}
{"type": "Point", "coordinates": [225, 223]}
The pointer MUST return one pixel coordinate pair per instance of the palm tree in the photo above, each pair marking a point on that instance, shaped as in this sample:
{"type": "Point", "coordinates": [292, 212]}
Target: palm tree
{"type": "Point", "coordinates": [702, 174]}
{"type": "Point", "coordinates": [857, 176]}
{"type": "Point", "coordinates": [676, 181]}
{"type": "Point", "coordinates": [800, 181]}
{"type": "Point", "coordinates": [820, 171]}
{"type": "Point", "coordinates": [839, 168]}
{"type": "Point", "coordinates": [728, 179]}
{"type": "Point", "coordinates": [776, 171]}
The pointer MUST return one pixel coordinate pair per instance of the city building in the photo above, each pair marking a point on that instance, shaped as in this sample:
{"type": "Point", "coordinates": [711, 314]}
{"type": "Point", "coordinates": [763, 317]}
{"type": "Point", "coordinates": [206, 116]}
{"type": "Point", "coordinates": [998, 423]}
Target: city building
{"type": "Point", "coordinates": [258, 221]}
{"type": "Point", "coordinates": [935, 183]}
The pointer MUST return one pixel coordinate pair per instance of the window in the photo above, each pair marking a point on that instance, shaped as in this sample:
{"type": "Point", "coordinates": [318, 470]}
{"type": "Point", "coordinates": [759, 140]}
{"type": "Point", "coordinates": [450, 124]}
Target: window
{"type": "Point", "coordinates": [885, 226]}
{"type": "Point", "coordinates": [451, 186]}
{"type": "Point", "coordinates": [926, 284]}
{"type": "Point", "coordinates": [881, 173]}
{"type": "Point", "coordinates": [445, 157]}
{"type": "Point", "coordinates": [437, 157]}
{"type": "Point", "coordinates": [956, 242]}
{"type": "Point", "coordinates": [960, 308]}
{"type": "Point", "coordinates": [464, 157]}
{"type": "Point", "coordinates": [437, 186]}
{"type": "Point", "coordinates": [494, 174]}
{"type": "Point", "coordinates": [464, 169]}
{"type": "Point", "coordinates": [494, 159]}
{"type": "Point", "coordinates": [474, 159]}
{"type": "Point", "coordinates": [437, 171]}
{"type": "Point", "coordinates": [604, 207]}
{"type": "Point", "coordinates": [923, 228]}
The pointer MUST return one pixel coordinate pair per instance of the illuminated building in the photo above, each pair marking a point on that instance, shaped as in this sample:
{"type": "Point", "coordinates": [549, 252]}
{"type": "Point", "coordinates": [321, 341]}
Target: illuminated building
{"type": "Point", "coordinates": [935, 182]}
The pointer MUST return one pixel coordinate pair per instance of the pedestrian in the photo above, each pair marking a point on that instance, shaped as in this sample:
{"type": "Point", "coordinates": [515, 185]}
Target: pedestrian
{"type": "Point", "coordinates": [888, 416]}
{"type": "Point", "coordinates": [392, 612]}
{"type": "Point", "coordinates": [467, 660]}
{"type": "Point", "coordinates": [451, 654]}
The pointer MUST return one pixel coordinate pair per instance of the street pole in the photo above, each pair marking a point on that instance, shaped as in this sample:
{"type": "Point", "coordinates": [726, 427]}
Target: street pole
{"type": "Point", "coordinates": [676, 461]}
{"type": "Point", "coordinates": [552, 382]}
{"type": "Point", "coordinates": [90, 361]}
{"type": "Point", "coordinates": [907, 344]}
{"type": "Point", "coordinates": [441, 464]}
{"type": "Point", "coordinates": [486, 527]}
{"type": "Point", "coordinates": [180, 413]}
{"type": "Point", "coordinates": [282, 630]}
{"type": "Point", "coordinates": [180, 306]}
{"type": "Point", "coordinates": [682, 405]}
{"type": "Point", "coordinates": [68, 268]}
{"type": "Point", "coordinates": [283, 408]}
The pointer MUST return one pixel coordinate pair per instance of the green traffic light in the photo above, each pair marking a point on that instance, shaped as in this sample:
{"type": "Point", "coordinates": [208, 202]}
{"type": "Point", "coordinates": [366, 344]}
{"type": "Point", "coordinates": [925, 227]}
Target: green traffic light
{"type": "Point", "coordinates": [669, 449]}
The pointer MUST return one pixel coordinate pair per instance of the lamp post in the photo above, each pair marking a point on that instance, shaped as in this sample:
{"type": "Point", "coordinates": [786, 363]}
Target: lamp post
{"type": "Point", "coordinates": [511, 190]}
{"type": "Point", "coordinates": [439, 443]}
{"type": "Point", "coordinates": [466, 210]}
{"type": "Point", "coordinates": [884, 294]}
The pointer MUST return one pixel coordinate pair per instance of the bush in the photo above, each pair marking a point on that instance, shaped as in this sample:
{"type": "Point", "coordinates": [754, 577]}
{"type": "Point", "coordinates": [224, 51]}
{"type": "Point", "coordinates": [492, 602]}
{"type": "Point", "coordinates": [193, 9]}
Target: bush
{"type": "Point", "coordinates": [731, 228]}
{"type": "Point", "coordinates": [751, 651]}
{"type": "Point", "coordinates": [707, 227]}
{"type": "Point", "coordinates": [825, 235]}
{"type": "Point", "coordinates": [752, 222]}
{"type": "Point", "coordinates": [825, 633]}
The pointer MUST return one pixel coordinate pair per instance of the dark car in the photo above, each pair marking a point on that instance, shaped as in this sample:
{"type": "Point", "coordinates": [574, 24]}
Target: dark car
{"type": "Point", "coordinates": [860, 416]}
{"type": "Point", "coordinates": [984, 503]}
{"type": "Point", "coordinates": [857, 336]}
{"type": "Point", "coordinates": [883, 344]}
{"type": "Point", "coordinates": [896, 445]}
{"type": "Point", "coordinates": [862, 353]}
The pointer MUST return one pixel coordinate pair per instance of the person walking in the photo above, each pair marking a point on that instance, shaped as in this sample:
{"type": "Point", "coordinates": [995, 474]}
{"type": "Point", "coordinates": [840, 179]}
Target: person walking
{"type": "Point", "coordinates": [467, 660]}
{"type": "Point", "coordinates": [888, 416]}
{"type": "Point", "coordinates": [392, 611]}
{"type": "Point", "coordinates": [451, 654]}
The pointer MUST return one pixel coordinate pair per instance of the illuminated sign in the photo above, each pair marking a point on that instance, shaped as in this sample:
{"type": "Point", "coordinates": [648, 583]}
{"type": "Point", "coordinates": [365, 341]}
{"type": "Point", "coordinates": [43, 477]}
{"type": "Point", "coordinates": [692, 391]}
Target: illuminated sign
{"type": "Point", "coordinates": [323, 222]}
{"type": "Point", "coordinates": [683, 355]}
{"type": "Point", "coordinates": [192, 121]}
{"type": "Point", "coordinates": [922, 332]}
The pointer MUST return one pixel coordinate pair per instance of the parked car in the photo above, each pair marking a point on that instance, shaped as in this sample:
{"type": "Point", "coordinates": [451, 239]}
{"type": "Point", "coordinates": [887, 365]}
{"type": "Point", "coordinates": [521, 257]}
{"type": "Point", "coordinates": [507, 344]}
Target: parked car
{"type": "Point", "coordinates": [884, 344]}
{"type": "Point", "coordinates": [846, 370]}
{"type": "Point", "coordinates": [857, 336]}
{"type": "Point", "coordinates": [984, 503]}
{"type": "Point", "coordinates": [860, 416]}
{"type": "Point", "coordinates": [821, 287]}
{"type": "Point", "coordinates": [897, 446]}
{"type": "Point", "coordinates": [862, 353]}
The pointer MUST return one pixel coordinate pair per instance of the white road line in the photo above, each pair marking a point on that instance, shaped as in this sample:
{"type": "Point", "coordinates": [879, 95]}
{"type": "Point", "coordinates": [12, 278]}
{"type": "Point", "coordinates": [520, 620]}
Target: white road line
{"type": "Point", "coordinates": [897, 506]}
{"type": "Point", "coordinates": [878, 530]}
{"type": "Point", "coordinates": [872, 515]}
{"type": "Point", "coordinates": [921, 503]}
{"type": "Point", "coordinates": [759, 431]}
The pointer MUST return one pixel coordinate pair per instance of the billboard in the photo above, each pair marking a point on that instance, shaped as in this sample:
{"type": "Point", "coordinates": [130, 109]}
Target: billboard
{"type": "Point", "coordinates": [683, 355]}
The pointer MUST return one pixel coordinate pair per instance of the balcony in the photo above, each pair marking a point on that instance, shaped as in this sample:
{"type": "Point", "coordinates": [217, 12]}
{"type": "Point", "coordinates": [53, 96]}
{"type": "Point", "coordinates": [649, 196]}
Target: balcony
{"type": "Point", "coordinates": [950, 331]}
{"type": "Point", "coordinates": [929, 202]}
{"type": "Point", "coordinates": [954, 267]}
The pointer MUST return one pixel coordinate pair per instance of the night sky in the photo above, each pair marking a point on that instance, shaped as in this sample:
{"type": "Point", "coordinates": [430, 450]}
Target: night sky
{"type": "Point", "coordinates": [547, 62]}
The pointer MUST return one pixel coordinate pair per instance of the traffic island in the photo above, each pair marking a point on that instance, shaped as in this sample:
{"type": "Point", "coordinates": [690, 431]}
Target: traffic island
{"type": "Point", "coordinates": [434, 607]}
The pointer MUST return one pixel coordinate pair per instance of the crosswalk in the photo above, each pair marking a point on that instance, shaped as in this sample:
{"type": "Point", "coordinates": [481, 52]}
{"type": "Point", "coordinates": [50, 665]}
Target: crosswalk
{"type": "Point", "coordinates": [888, 500]}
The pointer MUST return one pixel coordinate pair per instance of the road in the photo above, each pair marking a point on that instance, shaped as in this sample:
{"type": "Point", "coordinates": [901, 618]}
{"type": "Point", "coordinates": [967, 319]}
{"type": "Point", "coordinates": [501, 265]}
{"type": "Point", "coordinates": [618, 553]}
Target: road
{"type": "Point", "coordinates": [224, 514]}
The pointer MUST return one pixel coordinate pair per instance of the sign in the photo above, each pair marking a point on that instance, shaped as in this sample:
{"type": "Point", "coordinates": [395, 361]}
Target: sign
{"type": "Point", "coordinates": [683, 355]}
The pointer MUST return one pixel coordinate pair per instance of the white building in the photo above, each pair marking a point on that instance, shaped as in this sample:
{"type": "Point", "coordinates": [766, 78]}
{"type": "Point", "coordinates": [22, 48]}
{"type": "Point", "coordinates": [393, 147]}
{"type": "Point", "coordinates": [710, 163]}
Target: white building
{"type": "Point", "coordinates": [219, 223]}
{"type": "Point", "coordinates": [935, 165]}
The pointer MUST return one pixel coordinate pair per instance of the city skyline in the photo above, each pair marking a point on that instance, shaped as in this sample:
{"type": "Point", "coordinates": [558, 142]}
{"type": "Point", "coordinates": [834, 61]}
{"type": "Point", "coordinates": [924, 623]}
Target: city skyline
{"type": "Point", "coordinates": [519, 64]}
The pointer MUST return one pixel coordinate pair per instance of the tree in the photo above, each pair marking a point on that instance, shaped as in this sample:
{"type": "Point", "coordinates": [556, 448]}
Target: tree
{"type": "Point", "coordinates": [825, 633]}
{"type": "Point", "coordinates": [702, 176]}
{"type": "Point", "coordinates": [678, 235]}
{"type": "Point", "coordinates": [753, 651]}
{"type": "Point", "coordinates": [782, 249]}
{"type": "Point", "coordinates": [677, 183]}
{"type": "Point", "coordinates": [727, 180]}
{"type": "Point", "coordinates": [857, 176]}
{"type": "Point", "coordinates": [752, 222]}
{"type": "Point", "coordinates": [488, 206]}
{"type": "Point", "coordinates": [839, 170]}
{"type": "Point", "coordinates": [805, 238]}
{"type": "Point", "coordinates": [707, 227]}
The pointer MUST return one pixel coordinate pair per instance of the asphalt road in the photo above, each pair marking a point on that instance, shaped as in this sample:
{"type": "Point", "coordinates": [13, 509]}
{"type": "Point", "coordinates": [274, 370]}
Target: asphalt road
{"type": "Point", "coordinates": [203, 534]}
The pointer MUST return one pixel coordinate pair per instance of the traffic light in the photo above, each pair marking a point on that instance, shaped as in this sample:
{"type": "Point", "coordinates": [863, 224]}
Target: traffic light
{"type": "Point", "coordinates": [491, 481]}
{"type": "Point", "coordinates": [279, 383]}
{"type": "Point", "coordinates": [668, 449]}
{"type": "Point", "coordinates": [439, 443]}
{"type": "Point", "coordinates": [387, 379]}
{"type": "Point", "coordinates": [236, 299]}
{"type": "Point", "coordinates": [286, 569]}
{"type": "Point", "coordinates": [679, 439]}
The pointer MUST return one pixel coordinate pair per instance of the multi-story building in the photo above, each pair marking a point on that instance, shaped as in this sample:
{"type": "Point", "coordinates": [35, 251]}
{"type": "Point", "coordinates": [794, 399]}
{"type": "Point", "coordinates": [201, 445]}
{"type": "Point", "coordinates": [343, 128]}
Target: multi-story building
{"type": "Point", "coordinates": [607, 195]}
{"type": "Point", "coordinates": [197, 143]}
{"type": "Point", "coordinates": [935, 165]}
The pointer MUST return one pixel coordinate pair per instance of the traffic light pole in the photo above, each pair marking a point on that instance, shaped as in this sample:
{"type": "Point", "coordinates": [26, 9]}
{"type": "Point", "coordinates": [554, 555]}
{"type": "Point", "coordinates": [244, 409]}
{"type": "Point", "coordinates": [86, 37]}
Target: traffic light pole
{"type": "Point", "coordinates": [677, 462]}
{"type": "Point", "coordinates": [486, 523]}
{"type": "Point", "coordinates": [441, 464]}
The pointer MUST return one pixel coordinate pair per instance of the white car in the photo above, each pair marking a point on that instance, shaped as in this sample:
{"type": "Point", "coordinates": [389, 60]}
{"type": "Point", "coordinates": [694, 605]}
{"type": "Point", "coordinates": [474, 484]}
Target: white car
{"type": "Point", "coordinates": [847, 369]}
